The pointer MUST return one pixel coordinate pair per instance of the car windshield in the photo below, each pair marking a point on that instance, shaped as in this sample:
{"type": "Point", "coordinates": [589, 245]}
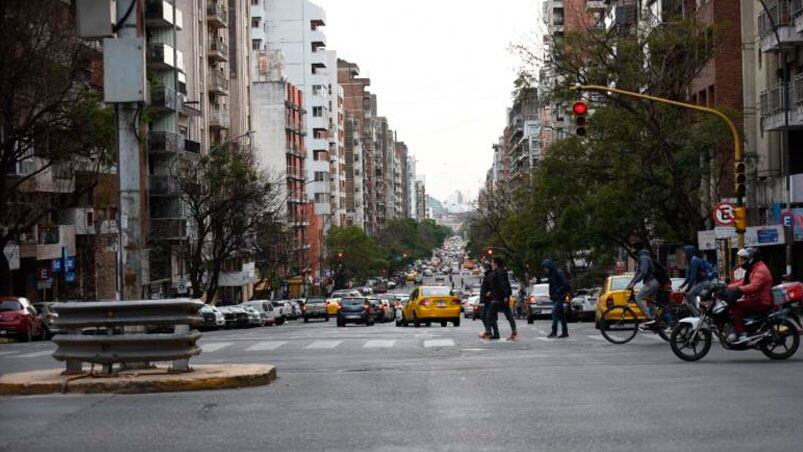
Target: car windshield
{"type": "Point", "coordinates": [340, 294]}
{"type": "Point", "coordinates": [10, 305]}
{"type": "Point", "coordinates": [315, 301]}
{"type": "Point", "coordinates": [352, 301]}
{"type": "Point", "coordinates": [621, 282]}
{"type": "Point", "coordinates": [541, 289]}
{"type": "Point", "coordinates": [436, 291]}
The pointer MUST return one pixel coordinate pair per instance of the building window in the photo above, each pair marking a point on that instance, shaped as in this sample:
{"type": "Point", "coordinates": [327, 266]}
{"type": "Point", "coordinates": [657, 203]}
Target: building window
{"type": "Point", "coordinates": [256, 44]}
{"type": "Point", "coordinates": [320, 176]}
{"type": "Point", "coordinates": [317, 112]}
{"type": "Point", "coordinates": [255, 22]}
{"type": "Point", "coordinates": [255, 2]}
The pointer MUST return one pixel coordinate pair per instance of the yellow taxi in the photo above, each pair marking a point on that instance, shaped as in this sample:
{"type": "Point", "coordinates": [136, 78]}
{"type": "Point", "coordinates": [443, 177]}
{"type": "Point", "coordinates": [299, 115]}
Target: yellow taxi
{"type": "Point", "coordinates": [333, 302]}
{"type": "Point", "coordinates": [432, 304]}
{"type": "Point", "coordinates": [615, 293]}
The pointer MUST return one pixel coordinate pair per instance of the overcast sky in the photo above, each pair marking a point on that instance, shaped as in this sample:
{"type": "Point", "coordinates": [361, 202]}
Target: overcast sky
{"type": "Point", "coordinates": [443, 72]}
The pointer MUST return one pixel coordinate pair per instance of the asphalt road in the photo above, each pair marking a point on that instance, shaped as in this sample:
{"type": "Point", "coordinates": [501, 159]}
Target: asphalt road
{"type": "Point", "coordinates": [389, 388]}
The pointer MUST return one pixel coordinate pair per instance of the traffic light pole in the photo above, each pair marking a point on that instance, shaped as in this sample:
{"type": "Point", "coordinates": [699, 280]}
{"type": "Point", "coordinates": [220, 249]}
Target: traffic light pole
{"type": "Point", "coordinates": [738, 150]}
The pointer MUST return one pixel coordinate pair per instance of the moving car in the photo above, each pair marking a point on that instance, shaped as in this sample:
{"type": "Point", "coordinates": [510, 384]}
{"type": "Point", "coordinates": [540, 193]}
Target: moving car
{"type": "Point", "coordinates": [614, 293]}
{"type": "Point", "coordinates": [538, 303]}
{"type": "Point", "coordinates": [315, 308]}
{"type": "Point", "coordinates": [377, 309]}
{"type": "Point", "coordinates": [333, 302]}
{"type": "Point", "coordinates": [355, 310]}
{"type": "Point", "coordinates": [432, 304]}
{"type": "Point", "coordinates": [440, 278]}
{"type": "Point", "coordinates": [472, 307]}
{"type": "Point", "coordinates": [584, 304]}
{"type": "Point", "coordinates": [19, 318]}
{"type": "Point", "coordinates": [419, 280]}
{"type": "Point", "coordinates": [48, 318]}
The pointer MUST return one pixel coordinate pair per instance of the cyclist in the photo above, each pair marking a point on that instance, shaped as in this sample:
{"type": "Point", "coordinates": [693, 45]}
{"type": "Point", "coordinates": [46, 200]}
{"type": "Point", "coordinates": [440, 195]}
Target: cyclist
{"type": "Point", "coordinates": [700, 275]}
{"type": "Point", "coordinates": [650, 286]}
{"type": "Point", "coordinates": [753, 292]}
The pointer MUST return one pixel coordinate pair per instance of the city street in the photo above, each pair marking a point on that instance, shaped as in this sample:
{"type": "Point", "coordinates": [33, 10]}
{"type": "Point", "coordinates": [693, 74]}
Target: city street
{"type": "Point", "coordinates": [430, 388]}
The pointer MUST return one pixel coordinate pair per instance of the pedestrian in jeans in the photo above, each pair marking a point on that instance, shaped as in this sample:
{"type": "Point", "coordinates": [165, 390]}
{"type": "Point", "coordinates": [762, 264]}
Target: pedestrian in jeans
{"type": "Point", "coordinates": [558, 291]}
{"type": "Point", "coordinates": [500, 301]}
{"type": "Point", "coordinates": [485, 301]}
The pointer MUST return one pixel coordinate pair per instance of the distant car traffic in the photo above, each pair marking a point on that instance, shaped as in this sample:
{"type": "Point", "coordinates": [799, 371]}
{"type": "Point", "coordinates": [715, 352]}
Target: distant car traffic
{"type": "Point", "coordinates": [538, 303]}
{"type": "Point", "coordinates": [584, 304]}
{"type": "Point", "coordinates": [315, 308]}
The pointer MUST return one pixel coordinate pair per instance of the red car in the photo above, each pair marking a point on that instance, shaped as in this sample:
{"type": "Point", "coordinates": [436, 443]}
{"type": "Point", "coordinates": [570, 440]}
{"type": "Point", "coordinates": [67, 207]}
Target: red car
{"type": "Point", "coordinates": [19, 318]}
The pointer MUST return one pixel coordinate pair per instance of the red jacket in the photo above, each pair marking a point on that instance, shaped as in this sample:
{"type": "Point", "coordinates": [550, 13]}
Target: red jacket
{"type": "Point", "coordinates": [760, 287]}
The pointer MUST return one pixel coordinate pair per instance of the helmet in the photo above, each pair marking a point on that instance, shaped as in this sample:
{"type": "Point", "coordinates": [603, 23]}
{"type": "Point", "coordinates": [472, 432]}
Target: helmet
{"type": "Point", "coordinates": [746, 253]}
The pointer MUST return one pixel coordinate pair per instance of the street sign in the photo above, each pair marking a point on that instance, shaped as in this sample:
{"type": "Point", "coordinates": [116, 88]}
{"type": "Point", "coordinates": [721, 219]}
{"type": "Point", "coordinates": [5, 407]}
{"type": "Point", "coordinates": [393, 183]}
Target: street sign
{"type": "Point", "coordinates": [724, 214]}
{"type": "Point", "coordinates": [724, 232]}
{"type": "Point", "coordinates": [69, 263]}
{"type": "Point", "coordinates": [788, 219]}
{"type": "Point", "coordinates": [69, 276]}
{"type": "Point", "coordinates": [44, 274]}
{"type": "Point", "coordinates": [55, 265]}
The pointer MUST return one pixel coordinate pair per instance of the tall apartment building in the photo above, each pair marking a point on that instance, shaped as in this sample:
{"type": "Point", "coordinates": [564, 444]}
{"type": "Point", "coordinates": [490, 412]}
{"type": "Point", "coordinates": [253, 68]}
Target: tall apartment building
{"type": "Point", "coordinates": [295, 28]}
{"type": "Point", "coordinates": [420, 200]}
{"type": "Point", "coordinates": [337, 136]}
{"type": "Point", "coordinates": [410, 187]}
{"type": "Point", "coordinates": [523, 135]}
{"type": "Point", "coordinates": [278, 119]}
{"type": "Point", "coordinates": [354, 103]}
{"type": "Point", "coordinates": [401, 181]}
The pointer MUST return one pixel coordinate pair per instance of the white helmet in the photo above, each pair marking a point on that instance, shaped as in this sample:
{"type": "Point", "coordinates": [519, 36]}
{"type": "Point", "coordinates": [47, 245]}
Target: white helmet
{"type": "Point", "coordinates": [746, 253]}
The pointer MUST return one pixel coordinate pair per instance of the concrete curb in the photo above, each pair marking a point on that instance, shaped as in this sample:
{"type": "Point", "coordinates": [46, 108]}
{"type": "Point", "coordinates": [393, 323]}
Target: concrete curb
{"type": "Point", "coordinates": [203, 377]}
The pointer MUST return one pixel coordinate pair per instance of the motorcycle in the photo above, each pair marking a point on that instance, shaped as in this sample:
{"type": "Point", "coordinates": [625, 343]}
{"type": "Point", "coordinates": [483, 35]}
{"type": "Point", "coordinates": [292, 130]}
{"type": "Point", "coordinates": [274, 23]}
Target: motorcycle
{"type": "Point", "coordinates": [775, 333]}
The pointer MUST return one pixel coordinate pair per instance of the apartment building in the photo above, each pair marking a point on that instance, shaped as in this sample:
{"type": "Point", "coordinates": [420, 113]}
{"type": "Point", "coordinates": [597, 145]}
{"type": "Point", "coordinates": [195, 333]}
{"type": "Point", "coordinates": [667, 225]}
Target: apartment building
{"type": "Point", "coordinates": [337, 164]}
{"type": "Point", "coordinates": [420, 200]}
{"type": "Point", "coordinates": [295, 28]}
{"type": "Point", "coordinates": [354, 94]}
{"type": "Point", "coordinates": [410, 187]}
{"type": "Point", "coordinates": [401, 180]}
{"type": "Point", "coordinates": [523, 134]}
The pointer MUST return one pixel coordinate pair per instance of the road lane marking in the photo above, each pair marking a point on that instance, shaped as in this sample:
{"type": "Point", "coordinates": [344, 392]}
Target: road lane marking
{"type": "Point", "coordinates": [215, 346]}
{"type": "Point", "coordinates": [379, 344]}
{"type": "Point", "coordinates": [8, 353]}
{"type": "Point", "coordinates": [439, 343]}
{"type": "Point", "coordinates": [544, 339]}
{"type": "Point", "coordinates": [324, 344]}
{"type": "Point", "coordinates": [265, 345]}
{"type": "Point", "coordinates": [34, 354]}
{"type": "Point", "coordinates": [597, 338]}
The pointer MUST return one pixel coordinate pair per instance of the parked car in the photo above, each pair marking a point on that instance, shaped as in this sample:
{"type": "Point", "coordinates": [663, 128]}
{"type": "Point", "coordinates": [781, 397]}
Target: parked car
{"type": "Point", "coordinates": [614, 292]}
{"type": "Point", "coordinates": [583, 304]}
{"type": "Point", "coordinates": [538, 303]}
{"type": "Point", "coordinates": [355, 310]}
{"type": "Point", "coordinates": [19, 318]}
{"type": "Point", "coordinates": [254, 317]}
{"type": "Point", "coordinates": [285, 310]}
{"type": "Point", "coordinates": [243, 317]}
{"type": "Point", "coordinates": [296, 305]}
{"type": "Point", "coordinates": [48, 318]}
{"type": "Point", "coordinates": [440, 278]}
{"type": "Point", "coordinates": [432, 304]}
{"type": "Point", "coordinates": [267, 313]}
{"type": "Point", "coordinates": [213, 318]}
{"type": "Point", "coordinates": [315, 308]}
{"type": "Point", "coordinates": [229, 317]}
{"type": "Point", "coordinates": [419, 279]}
{"type": "Point", "coordinates": [472, 307]}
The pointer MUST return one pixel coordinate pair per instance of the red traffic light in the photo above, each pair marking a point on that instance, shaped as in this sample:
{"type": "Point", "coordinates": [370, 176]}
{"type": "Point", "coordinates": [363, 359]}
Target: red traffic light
{"type": "Point", "coordinates": [579, 108]}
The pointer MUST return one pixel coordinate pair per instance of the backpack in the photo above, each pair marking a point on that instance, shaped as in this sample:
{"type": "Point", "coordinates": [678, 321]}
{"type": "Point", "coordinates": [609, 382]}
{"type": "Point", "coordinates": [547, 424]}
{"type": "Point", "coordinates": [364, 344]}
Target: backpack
{"type": "Point", "coordinates": [706, 272]}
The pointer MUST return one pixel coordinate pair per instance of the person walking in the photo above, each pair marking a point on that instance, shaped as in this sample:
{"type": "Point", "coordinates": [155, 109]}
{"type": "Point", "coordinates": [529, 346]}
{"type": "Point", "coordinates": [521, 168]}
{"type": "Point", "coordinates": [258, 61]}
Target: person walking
{"type": "Point", "coordinates": [558, 291]}
{"type": "Point", "coordinates": [500, 299]}
{"type": "Point", "coordinates": [490, 330]}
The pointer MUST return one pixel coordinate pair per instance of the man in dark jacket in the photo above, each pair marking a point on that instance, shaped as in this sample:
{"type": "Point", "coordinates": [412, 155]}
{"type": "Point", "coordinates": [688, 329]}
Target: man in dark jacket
{"type": "Point", "coordinates": [485, 300]}
{"type": "Point", "coordinates": [649, 287]}
{"type": "Point", "coordinates": [499, 288]}
{"type": "Point", "coordinates": [699, 277]}
{"type": "Point", "coordinates": [558, 291]}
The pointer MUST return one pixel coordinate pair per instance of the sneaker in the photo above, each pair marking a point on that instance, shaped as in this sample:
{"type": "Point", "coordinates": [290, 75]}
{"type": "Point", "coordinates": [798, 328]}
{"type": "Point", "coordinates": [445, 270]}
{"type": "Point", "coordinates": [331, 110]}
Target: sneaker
{"type": "Point", "coordinates": [485, 336]}
{"type": "Point", "coordinates": [563, 335]}
{"type": "Point", "coordinates": [552, 336]}
{"type": "Point", "coordinates": [496, 337]}
{"type": "Point", "coordinates": [514, 336]}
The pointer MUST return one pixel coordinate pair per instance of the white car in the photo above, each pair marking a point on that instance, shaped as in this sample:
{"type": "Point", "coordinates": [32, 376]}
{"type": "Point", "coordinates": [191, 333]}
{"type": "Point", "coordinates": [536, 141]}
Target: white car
{"type": "Point", "coordinates": [270, 315]}
{"type": "Point", "coordinates": [584, 304]}
{"type": "Point", "coordinates": [471, 306]}
{"type": "Point", "coordinates": [284, 307]}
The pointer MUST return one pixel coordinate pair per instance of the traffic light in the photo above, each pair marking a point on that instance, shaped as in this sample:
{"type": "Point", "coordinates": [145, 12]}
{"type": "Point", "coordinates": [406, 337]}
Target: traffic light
{"type": "Point", "coordinates": [340, 255]}
{"type": "Point", "coordinates": [490, 252]}
{"type": "Point", "coordinates": [740, 180]}
{"type": "Point", "coordinates": [740, 219]}
{"type": "Point", "coordinates": [580, 111]}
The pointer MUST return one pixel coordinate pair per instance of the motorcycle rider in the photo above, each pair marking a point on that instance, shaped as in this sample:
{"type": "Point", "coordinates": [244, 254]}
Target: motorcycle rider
{"type": "Point", "coordinates": [650, 286]}
{"type": "Point", "coordinates": [700, 275]}
{"type": "Point", "coordinates": [753, 292]}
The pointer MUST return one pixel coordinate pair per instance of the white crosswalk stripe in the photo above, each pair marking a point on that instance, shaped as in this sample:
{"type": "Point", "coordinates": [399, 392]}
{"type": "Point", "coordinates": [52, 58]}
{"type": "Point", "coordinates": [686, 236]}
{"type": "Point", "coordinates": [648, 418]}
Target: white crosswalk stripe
{"type": "Point", "coordinates": [439, 343]}
{"type": "Point", "coordinates": [265, 345]}
{"type": "Point", "coordinates": [8, 353]}
{"type": "Point", "coordinates": [34, 354]}
{"type": "Point", "coordinates": [215, 346]}
{"type": "Point", "coordinates": [596, 338]}
{"type": "Point", "coordinates": [379, 344]}
{"type": "Point", "coordinates": [323, 344]}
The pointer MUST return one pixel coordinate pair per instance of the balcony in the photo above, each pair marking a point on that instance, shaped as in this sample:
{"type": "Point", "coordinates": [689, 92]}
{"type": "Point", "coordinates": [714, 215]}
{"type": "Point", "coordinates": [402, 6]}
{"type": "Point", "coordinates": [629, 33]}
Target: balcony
{"type": "Point", "coordinates": [293, 126]}
{"type": "Point", "coordinates": [780, 12]}
{"type": "Point", "coordinates": [159, 14]}
{"type": "Point", "coordinates": [168, 229]}
{"type": "Point", "coordinates": [317, 39]}
{"type": "Point", "coordinates": [772, 106]}
{"type": "Point", "coordinates": [318, 60]}
{"type": "Point", "coordinates": [217, 15]}
{"type": "Point", "coordinates": [165, 99]}
{"type": "Point", "coordinates": [162, 56]}
{"type": "Point", "coordinates": [48, 243]}
{"type": "Point", "coordinates": [218, 84]}
{"type": "Point", "coordinates": [160, 141]}
{"type": "Point", "coordinates": [218, 51]}
{"type": "Point", "coordinates": [320, 123]}
{"type": "Point", "coordinates": [163, 185]}
{"type": "Point", "coordinates": [193, 147]}
{"type": "Point", "coordinates": [219, 119]}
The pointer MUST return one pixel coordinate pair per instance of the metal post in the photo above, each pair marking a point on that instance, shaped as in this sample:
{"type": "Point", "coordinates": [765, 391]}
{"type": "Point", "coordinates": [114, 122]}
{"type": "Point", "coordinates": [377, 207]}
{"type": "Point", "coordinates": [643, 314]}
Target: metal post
{"type": "Point", "coordinates": [181, 365]}
{"type": "Point", "coordinates": [128, 177]}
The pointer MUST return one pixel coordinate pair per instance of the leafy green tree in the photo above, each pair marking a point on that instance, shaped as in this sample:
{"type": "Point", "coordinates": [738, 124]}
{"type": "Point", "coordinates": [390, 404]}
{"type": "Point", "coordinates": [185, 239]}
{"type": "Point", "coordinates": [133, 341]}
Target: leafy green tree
{"type": "Point", "coordinates": [352, 255]}
{"type": "Point", "coordinates": [404, 240]}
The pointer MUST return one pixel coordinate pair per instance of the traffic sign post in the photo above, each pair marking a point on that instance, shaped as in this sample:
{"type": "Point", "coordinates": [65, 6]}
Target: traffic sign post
{"type": "Point", "coordinates": [724, 214]}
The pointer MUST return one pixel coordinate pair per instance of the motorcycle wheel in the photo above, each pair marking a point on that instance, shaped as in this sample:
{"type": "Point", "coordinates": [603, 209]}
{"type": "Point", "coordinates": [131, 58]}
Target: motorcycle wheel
{"type": "Point", "coordinates": [783, 342]}
{"type": "Point", "coordinates": [670, 316]}
{"type": "Point", "coordinates": [686, 348]}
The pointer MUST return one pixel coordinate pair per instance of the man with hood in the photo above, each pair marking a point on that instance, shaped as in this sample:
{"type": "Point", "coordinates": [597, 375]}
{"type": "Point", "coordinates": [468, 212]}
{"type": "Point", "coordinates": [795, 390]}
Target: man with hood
{"type": "Point", "coordinates": [485, 302]}
{"type": "Point", "coordinates": [650, 286]}
{"type": "Point", "coordinates": [699, 276]}
{"type": "Point", "coordinates": [558, 291]}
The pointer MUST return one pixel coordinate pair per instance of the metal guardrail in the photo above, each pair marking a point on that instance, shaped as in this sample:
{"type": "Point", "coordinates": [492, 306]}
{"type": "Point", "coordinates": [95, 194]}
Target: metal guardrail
{"type": "Point", "coordinates": [116, 332]}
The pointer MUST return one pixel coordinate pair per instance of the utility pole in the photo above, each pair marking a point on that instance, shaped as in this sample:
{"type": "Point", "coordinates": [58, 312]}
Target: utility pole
{"type": "Point", "coordinates": [130, 241]}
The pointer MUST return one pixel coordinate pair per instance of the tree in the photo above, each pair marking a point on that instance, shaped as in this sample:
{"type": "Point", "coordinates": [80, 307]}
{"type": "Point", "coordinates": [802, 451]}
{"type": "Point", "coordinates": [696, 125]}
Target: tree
{"type": "Point", "coordinates": [227, 199]}
{"type": "Point", "coordinates": [275, 251]}
{"type": "Point", "coordinates": [352, 255]}
{"type": "Point", "coordinates": [407, 237]}
{"type": "Point", "coordinates": [52, 122]}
